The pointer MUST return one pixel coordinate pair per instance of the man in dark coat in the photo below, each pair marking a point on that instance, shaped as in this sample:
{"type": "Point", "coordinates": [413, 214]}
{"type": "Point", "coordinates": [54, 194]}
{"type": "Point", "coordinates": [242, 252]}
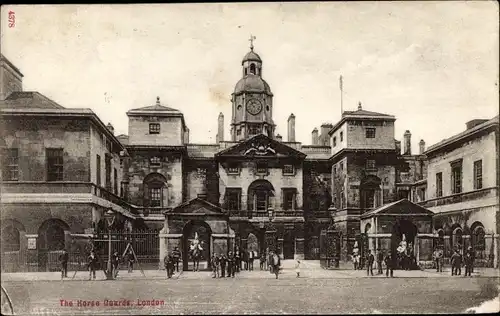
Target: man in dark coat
{"type": "Point", "coordinates": [169, 265]}
{"type": "Point", "coordinates": [456, 263]}
{"type": "Point", "coordinates": [130, 261]}
{"type": "Point", "coordinates": [468, 264]}
{"type": "Point", "coordinates": [230, 265]}
{"type": "Point", "coordinates": [389, 264]}
{"type": "Point", "coordinates": [115, 261]}
{"type": "Point", "coordinates": [63, 259]}
{"type": "Point", "coordinates": [222, 262]}
{"type": "Point", "coordinates": [93, 263]}
{"type": "Point", "coordinates": [472, 258]}
{"type": "Point", "coordinates": [380, 258]}
{"type": "Point", "coordinates": [176, 254]}
{"type": "Point", "coordinates": [369, 263]}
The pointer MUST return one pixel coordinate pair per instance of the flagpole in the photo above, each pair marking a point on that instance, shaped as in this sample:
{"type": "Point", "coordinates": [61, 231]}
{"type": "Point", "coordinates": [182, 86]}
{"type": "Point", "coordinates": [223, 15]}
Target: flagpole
{"type": "Point", "coordinates": [341, 96]}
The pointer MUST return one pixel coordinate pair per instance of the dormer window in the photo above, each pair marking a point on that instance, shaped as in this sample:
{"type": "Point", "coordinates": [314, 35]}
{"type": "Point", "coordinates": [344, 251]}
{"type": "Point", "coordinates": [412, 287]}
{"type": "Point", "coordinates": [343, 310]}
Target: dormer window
{"type": "Point", "coordinates": [154, 128]}
{"type": "Point", "coordinates": [154, 162]}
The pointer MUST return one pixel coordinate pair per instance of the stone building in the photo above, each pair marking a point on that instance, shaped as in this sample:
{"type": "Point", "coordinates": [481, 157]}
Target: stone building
{"type": "Point", "coordinates": [63, 168]}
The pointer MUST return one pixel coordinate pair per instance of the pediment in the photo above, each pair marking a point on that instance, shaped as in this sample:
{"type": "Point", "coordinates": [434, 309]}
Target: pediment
{"type": "Point", "coordinates": [197, 206]}
{"type": "Point", "coordinates": [401, 207]}
{"type": "Point", "coordinates": [261, 146]}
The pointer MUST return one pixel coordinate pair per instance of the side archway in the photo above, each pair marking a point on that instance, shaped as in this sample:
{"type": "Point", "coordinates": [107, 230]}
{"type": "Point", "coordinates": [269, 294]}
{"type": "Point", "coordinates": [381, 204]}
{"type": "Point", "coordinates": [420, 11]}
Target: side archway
{"type": "Point", "coordinates": [51, 239]}
{"type": "Point", "coordinates": [192, 229]}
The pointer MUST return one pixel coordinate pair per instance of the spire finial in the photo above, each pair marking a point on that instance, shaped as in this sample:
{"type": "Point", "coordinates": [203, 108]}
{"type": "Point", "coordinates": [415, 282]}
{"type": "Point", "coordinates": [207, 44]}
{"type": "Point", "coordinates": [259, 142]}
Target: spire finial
{"type": "Point", "coordinates": [158, 100]}
{"type": "Point", "coordinates": [252, 38]}
{"type": "Point", "coordinates": [359, 106]}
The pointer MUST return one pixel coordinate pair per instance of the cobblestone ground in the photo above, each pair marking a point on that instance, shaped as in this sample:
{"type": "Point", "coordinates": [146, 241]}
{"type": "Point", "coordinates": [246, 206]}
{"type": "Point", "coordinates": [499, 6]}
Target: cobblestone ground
{"type": "Point", "coordinates": [252, 293]}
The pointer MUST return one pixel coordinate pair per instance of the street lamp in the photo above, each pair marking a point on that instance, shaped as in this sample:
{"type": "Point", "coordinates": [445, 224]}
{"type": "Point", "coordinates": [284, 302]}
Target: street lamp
{"type": "Point", "coordinates": [110, 218]}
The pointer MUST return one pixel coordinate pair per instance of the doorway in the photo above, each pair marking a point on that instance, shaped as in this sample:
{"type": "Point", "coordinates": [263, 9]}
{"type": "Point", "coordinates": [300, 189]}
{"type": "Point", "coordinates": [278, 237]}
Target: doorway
{"type": "Point", "coordinates": [196, 230]}
{"type": "Point", "coordinates": [288, 245]}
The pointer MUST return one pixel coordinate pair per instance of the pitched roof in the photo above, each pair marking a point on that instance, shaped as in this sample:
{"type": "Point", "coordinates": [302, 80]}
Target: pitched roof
{"type": "Point", "coordinates": [260, 146]}
{"type": "Point", "coordinates": [402, 207]}
{"type": "Point", "coordinates": [29, 99]}
{"type": "Point", "coordinates": [7, 61]}
{"type": "Point", "coordinates": [365, 113]}
{"type": "Point", "coordinates": [153, 109]}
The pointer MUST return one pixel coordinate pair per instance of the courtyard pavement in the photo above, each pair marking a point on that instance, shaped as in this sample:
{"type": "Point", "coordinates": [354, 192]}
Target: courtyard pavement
{"type": "Point", "coordinates": [309, 269]}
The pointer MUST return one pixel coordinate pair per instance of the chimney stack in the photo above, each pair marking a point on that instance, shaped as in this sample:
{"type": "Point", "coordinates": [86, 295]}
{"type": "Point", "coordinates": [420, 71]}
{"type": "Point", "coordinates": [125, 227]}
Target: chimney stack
{"type": "Point", "coordinates": [279, 138]}
{"type": "Point", "coordinates": [398, 146]}
{"type": "Point", "coordinates": [324, 138]}
{"type": "Point", "coordinates": [291, 128]}
{"type": "Point", "coordinates": [186, 136]}
{"type": "Point", "coordinates": [220, 128]}
{"type": "Point", "coordinates": [407, 143]}
{"type": "Point", "coordinates": [111, 128]}
{"type": "Point", "coordinates": [421, 146]}
{"type": "Point", "coordinates": [315, 137]}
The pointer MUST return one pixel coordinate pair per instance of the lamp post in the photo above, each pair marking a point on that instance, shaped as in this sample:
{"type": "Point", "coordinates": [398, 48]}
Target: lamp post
{"type": "Point", "coordinates": [110, 218]}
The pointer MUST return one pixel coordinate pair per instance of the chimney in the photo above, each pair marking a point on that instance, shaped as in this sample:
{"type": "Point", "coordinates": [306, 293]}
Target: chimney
{"type": "Point", "coordinates": [474, 123]}
{"type": "Point", "coordinates": [407, 143]}
{"type": "Point", "coordinates": [398, 146]}
{"type": "Point", "coordinates": [111, 128]}
{"type": "Point", "coordinates": [291, 128]}
{"type": "Point", "coordinates": [186, 136]}
{"type": "Point", "coordinates": [220, 128]}
{"type": "Point", "coordinates": [315, 137]}
{"type": "Point", "coordinates": [324, 138]}
{"type": "Point", "coordinates": [421, 146]}
{"type": "Point", "coordinates": [279, 138]}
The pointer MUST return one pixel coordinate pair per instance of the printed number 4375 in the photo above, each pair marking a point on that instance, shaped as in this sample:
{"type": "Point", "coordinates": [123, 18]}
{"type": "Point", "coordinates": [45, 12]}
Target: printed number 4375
{"type": "Point", "coordinates": [12, 19]}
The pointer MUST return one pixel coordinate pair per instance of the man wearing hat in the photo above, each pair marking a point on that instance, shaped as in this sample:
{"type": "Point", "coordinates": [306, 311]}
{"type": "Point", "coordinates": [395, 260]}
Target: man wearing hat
{"type": "Point", "coordinates": [115, 260]}
{"type": "Point", "coordinates": [380, 258]}
{"type": "Point", "coordinates": [472, 257]}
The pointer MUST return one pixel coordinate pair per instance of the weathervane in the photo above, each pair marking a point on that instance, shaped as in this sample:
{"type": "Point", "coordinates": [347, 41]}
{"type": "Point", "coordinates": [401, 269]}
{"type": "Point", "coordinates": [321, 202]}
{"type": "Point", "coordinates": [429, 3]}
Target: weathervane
{"type": "Point", "coordinates": [252, 38]}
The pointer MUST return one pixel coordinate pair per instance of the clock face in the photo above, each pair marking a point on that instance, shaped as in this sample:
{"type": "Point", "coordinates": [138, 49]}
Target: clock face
{"type": "Point", "coordinates": [254, 106]}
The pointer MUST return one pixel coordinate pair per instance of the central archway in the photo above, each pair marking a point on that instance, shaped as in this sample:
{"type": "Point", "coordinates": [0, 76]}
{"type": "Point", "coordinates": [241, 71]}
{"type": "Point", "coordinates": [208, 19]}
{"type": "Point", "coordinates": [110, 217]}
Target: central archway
{"type": "Point", "coordinates": [405, 230]}
{"type": "Point", "coordinates": [204, 232]}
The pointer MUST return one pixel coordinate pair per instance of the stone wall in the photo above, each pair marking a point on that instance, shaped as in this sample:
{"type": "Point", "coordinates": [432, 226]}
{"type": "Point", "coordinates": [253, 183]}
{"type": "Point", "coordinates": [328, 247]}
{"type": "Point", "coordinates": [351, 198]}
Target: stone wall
{"type": "Point", "coordinates": [171, 131]}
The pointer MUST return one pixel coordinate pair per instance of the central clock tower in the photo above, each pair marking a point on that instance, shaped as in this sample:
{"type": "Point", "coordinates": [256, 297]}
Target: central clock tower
{"type": "Point", "coordinates": [252, 101]}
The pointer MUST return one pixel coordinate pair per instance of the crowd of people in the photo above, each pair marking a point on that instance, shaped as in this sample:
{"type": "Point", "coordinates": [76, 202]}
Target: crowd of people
{"type": "Point", "coordinates": [457, 261]}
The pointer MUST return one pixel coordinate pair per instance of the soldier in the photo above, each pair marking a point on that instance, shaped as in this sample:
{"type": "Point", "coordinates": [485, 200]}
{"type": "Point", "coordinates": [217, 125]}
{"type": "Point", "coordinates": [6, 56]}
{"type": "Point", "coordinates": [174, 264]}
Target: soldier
{"type": "Point", "coordinates": [222, 262]}
{"type": "Point", "coordinates": [63, 259]}
{"type": "Point", "coordinates": [369, 263]}
{"type": "Point", "coordinates": [380, 258]}
{"type": "Point", "coordinates": [176, 254]}
{"type": "Point", "coordinates": [115, 260]}
{"type": "Point", "coordinates": [92, 264]}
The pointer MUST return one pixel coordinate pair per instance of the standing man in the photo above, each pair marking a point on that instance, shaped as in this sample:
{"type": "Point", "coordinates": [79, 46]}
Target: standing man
{"type": "Point", "coordinates": [215, 266]}
{"type": "Point", "coordinates": [369, 263]}
{"type": "Point", "coordinates": [472, 258]}
{"type": "Point", "coordinates": [230, 265]}
{"type": "Point", "coordinates": [262, 261]}
{"type": "Point", "coordinates": [456, 263]}
{"type": "Point", "coordinates": [389, 264]}
{"type": "Point", "coordinates": [468, 263]}
{"type": "Point", "coordinates": [438, 257]}
{"type": "Point", "coordinates": [63, 259]}
{"type": "Point", "coordinates": [130, 261]}
{"type": "Point", "coordinates": [380, 258]}
{"type": "Point", "coordinates": [169, 265]}
{"type": "Point", "coordinates": [92, 264]}
{"type": "Point", "coordinates": [176, 254]}
{"type": "Point", "coordinates": [222, 262]}
{"type": "Point", "coordinates": [250, 260]}
{"type": "Point", "coordinates": [237, 260]}
{"type": "Point", "coordinates": [115, 261]}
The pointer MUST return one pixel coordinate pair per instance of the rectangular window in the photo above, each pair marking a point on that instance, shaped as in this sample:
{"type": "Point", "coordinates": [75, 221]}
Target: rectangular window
{"type": "Point", "coordinates": [254, 129]}
{"type": "Point", "coordinates": [155, 197]}
{"type": "Point", "coordinates": [233, 199]}
{"type": "Point", "coordinates": [154, 128]}
{"type": "Point", "coordinates": [107, 170]}
{"type": "Point", "coordinates": [341, 136]}
{"type": "Point", "coordinates": [288, 170]}
{"type": "Point", "coordinates": [289, 199]}
{"type": "Point", "coordinates": [154, 162]}
{"type": "Point", "coordinates": [11, 167]}
{"type": "Point", "coordinates": [370, 165]}
{"type": "Point", "coordinates": [98, 170]}
{"type": "Point", "coordinates": [478, 175]}
{"type": "Point", "coordinates": [261, 168]}
{"type": "Point", "coordinates": [261, 200]}
{"type": "Point", "coordinates": [439, 184]}
{"type": "Point", "coordinates": [370, 132]}
{"type": "Point", "coordinates": [115, 182]}
{"type": "Point", "coordinates": [456, 178]}
{"type": "Point", "coordinates": [238, 132]}
{"type": "Point", "coordinates": [334, 141]}
{"type": "Point", "coordinates": [233, 169]}
{"type": "Point", "coordinates": [54, 164]}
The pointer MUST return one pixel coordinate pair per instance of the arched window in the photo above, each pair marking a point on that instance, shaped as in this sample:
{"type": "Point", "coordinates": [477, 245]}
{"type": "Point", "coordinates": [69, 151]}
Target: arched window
{"type": "Point", "coordinates": [457, 239]}
{"type": "Point", "coordinates": [440, 239]}
{"type": "Point", "coordinates": [155, 190]}
{"type": "Point", "coordinates": [51, 235]}
{"type": "Point", "coordinates": [367, 228]}
{"type": "Point", "coordinates": [10, 239]}
{"type": "Point", "coordinates": [478, 240]}
{"type": "Point", "coordinates": [252, 69]}
{"type": "Point", "coordinates": [260, 193]}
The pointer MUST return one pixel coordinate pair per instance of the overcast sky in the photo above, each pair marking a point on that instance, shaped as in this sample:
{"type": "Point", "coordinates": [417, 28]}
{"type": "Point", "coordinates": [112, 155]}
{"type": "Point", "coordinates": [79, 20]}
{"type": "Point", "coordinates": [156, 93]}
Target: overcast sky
{"type": "Point", "coordinates": [434, 65]}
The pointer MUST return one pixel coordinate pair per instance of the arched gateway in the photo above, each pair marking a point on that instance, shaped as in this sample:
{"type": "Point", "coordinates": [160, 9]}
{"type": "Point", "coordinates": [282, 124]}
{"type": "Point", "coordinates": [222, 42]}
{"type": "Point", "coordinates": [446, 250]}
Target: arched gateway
{"type": "Point", "coordinates": [196, 224]}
